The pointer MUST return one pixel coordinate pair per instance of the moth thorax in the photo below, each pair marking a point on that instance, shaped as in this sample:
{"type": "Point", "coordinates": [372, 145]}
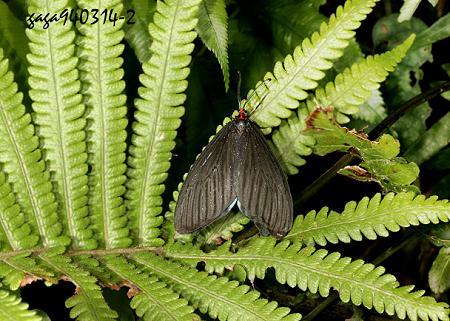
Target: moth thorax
{"type": "Point", "coordinates": [241, 124]}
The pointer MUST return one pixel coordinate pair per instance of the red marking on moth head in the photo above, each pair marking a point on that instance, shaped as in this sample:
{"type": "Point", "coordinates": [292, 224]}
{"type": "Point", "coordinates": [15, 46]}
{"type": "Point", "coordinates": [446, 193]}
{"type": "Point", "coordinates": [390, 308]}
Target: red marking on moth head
{"type": "Point", "coordinates": [242, 114]}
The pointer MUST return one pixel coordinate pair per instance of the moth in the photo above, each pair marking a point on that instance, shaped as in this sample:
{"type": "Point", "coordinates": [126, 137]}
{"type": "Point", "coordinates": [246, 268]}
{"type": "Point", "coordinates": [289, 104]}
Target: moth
{"type": "Point", "coordinates": [236, 167]}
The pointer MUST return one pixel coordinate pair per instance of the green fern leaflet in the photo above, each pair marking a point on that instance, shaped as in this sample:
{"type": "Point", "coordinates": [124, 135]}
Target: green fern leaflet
{"type": "Point", "coordinates": [90, 173]}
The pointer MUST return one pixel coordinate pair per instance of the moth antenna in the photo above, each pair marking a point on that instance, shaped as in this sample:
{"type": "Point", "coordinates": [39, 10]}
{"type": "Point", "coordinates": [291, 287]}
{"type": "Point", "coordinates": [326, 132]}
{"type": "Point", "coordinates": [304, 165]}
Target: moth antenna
{"type": "Point", "coordinates": [238, 90]}
{"type": "Point", "coordinates": [255, 92]}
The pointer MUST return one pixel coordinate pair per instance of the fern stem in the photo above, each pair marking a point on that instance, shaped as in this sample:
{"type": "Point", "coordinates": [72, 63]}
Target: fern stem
{"type": "Point", "coordinates": [73, 253]}
{"type": "Point", "coordinates": [410, 104]}
{"type": "Point", "coordinates": [323, 179]}
{"type": "Point", "coordinates": [392, 250]}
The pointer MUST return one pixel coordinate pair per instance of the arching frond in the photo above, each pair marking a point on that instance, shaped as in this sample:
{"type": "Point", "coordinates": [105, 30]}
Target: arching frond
{"type": "Point", "coordinates": [158, 114]}
{"type": "Point", "coordinates": [21, 159]}
{"type": "Point", "coordinates": [101, 76]}
{"type": "Point", "coordinates": [59, 113]}
{"type": "Point", "coordinates": [317, 271]}
{"type": "Point", "coordinates": [369, 218]}
{"type": "Point", "coordinates": [354, 85]}
{"type": "Point", "coordinates": [345, 94]}
{"type": "Point", "coordinates": [12, 309]}
{"type": "Point", "coordinates": [301, 70]}
{"type": "Point", "coordinates": [213, 30]}
{"type": "Point", "coordinates": [154, 300]}
{"type": "Point", "coordinates": [219, 297]}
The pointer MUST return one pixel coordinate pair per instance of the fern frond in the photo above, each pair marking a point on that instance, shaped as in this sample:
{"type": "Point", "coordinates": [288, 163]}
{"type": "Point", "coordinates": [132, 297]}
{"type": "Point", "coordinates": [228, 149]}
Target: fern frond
{"type": "Point", "coordinates": [10, 275]}
{"type": "Point", "coordinates": [14, 269]}
{"type": "Point", "coordinates": [155, 301]}
{"type": "Point", "coordinates": [409, 7]}
{"type": "Point", "coordinates": [21, 158]}
{"type": "Point", "coordinates": [14, 41]}
{"type": "Point", "coordinates": [430, 142]}
{"type": "Point", "coordinates": [158, 114]}
{"type": "Point", "coordinates": [346, 93]}
{"type": "Point", "coordinates": [12, 309]}
{"type": "Point", "coordinates": [15, 230]}
{"type": "Point", "coordinates": [380, 162]}
{"type": "Point", "coordinates": [369, 218]}
{"type": "Point", "coordinates": [437, 31]}
{"type": "Point", "coordinates": [372, 111]}
{"type": "Point", "coordinates": [88, 304]}
{"type": "Point", "coordinates": [103, 87]}
{"type": "Point", "coordinates": [305, 67]}
{"type": "Point", "coordinates": [59, 113]}
{"type": "Point", "coordinates": [439, 275]}
{"type": "Point", "coordinates": [290, 142]}
{"type": "Point", "coordinates": [96, 269]}
{"type": "Point", "coordinates": [219, 297]}
{"type": "Point", "coordinates": [354, 85]}
{"type": "Point", "coordinates": [137, 34]}
{"type": "Point", "coordinates": [212, 28]}
{"type": "Point", "coordinates": [318, 271]}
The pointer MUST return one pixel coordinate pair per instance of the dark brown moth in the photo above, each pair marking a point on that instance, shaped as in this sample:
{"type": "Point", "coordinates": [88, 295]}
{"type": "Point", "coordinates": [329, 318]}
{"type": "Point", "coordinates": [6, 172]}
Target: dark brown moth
{"type": "Point", "coordinates": [237, 166]}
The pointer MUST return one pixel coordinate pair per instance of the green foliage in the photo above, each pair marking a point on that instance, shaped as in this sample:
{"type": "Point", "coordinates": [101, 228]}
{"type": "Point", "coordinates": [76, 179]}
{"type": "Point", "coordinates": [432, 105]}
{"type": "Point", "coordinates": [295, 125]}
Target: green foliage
{"type": "Point", "coordinates": [13, 40]}
{"type": "Point", "coordinates": [293, 21]}
{"type": "Point", "coordinates": [354, 85]}
{"type": "Point", "coordinates": [305, 67]}
{"type": "Point", "coordinates": [137, 34]}
{"type": "Point", "coordinates": [369, 218]}
{"type": "Point", "coordinates": [88, 304]}
{"type": "Point", "coordinates": [317, 271]}
{"type": "Point", "coordinates": [212, 28]}
{"type": "Point", "coordinates": [158, 115]}
{"type": "Point", "coordinates": [403, 83]}
{"type": "Point", "coordinates": [57, 104]}
{"type": "Point", "coordinates": [346, 93]}
{"type": "Point", "coordinates": [15, 232]}
{"type": "Point", "coordinates": [433, 140]}
{"type": "Point", "coordinates": [219, 297]}
{"type": "Point", "coordinates": [154, 301]}
{"type": "Point", "coordinates": [103, 87]}
{"type": "Point", "coordinates": [21, 160]}
{"type": "Point", "coordinates": [372, 110]}
{"type": "Point", "coordinates": [379, 164]}
{"type": "Point", "coordinates": [81, 193]}
{"type": "Point", "coordinates": [439, 276]}
{"type": "Point", "coordinates": [223, 228]}
{"type": "Point", "coordinates": [12, 309]}
{"type": "Point", "coordinates": [409, 7]}
{"type": "Point", "coordinates": [436, 32]}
